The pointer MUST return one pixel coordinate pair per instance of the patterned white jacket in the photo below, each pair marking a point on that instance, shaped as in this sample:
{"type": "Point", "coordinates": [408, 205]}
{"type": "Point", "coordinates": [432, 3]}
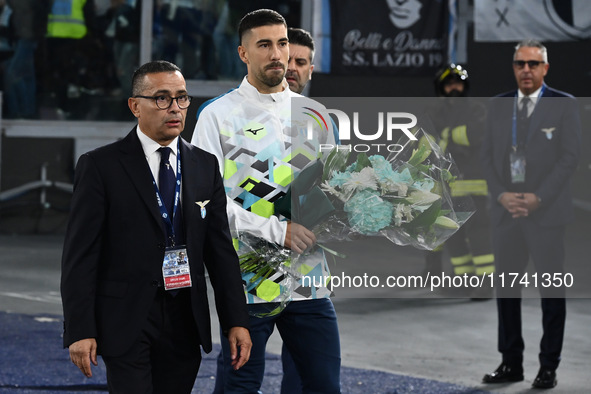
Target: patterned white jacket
{"type": "Point", "coordinates": [261, 143]}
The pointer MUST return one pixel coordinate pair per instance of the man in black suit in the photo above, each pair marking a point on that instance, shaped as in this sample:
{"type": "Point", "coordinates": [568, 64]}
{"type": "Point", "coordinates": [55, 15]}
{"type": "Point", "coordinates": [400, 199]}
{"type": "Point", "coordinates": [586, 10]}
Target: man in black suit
{"type": "Point", "coordinates": [530, 153]}
{"type": "Point", "coordinates": [133, 210]}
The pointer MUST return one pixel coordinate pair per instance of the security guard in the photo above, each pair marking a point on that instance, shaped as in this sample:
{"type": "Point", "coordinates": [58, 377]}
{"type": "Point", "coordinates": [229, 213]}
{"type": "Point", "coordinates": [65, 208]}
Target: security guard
{"type": "Point", "coordinates": [70, 30]}
{"type": "Point", "coordinates": [66, 19]}
{"type": "Point", "coordinates": [460, 125]}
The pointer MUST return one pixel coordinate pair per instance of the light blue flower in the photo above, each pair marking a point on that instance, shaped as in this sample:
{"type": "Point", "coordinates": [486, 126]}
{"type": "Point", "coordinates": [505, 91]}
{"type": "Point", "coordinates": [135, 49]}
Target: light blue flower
{"type": "Point", "coordinates": [424, 185]}
{"type": "Point", "coordinates": [368, 213]}
{"type": "Point", "coordinates": [339, 178]}
{"type": "Point", "coordinates": [385, 173]}
{"type": "Point", "coordinates": [378, 161]}
{"type": "Point", "coordinates": [352, 167]}
{"type": "Point", "coordinates": [394, 182]}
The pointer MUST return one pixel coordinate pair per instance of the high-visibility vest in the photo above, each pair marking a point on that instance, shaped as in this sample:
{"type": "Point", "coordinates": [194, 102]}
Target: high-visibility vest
{"type": "Point", "coordinates": [66, 19]}
{"type": "Point", "coordinates": [468, 187]}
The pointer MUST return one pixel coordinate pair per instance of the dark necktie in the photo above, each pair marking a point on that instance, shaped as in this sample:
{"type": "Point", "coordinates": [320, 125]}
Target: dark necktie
{"type": "Point", "coordinates": [523, 121]}
{"type": "Point", "coordinates": [523, 111]}
{"type": "Point", "coordinates": [166, 181]}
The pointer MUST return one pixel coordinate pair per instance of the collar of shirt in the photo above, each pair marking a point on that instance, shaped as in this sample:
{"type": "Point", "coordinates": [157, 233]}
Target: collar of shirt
{"type": "Point", "coordinates": [151, 147]}
{"type": "Point", "coordinates": [533, 97]}
{"type": "Point", "coordinates": [250, 91]}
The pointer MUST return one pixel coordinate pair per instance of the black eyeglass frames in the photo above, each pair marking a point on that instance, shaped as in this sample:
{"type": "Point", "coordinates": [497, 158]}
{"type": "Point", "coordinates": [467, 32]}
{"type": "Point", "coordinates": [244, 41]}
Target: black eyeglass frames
{"type": "Point", "coordinates": [164, 102]}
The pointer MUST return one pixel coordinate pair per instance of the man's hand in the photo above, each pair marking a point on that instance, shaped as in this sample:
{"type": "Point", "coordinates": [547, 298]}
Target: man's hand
{"type": "Point", "coordinates": [240, 345]}
{"type": "Point", "coordinates": [531, 201]}
{"type": "Point", "coordinates": [82, 353]}
{"type": "Point", "coordinates": [298, 238]}
{"type": "Point", "coordinates": [519, 204]}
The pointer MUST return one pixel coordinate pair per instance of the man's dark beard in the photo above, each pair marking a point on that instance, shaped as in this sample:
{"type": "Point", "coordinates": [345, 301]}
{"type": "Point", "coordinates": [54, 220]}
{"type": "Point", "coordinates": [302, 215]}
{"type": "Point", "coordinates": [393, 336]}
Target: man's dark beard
{"type": "Point", "coordinates": [274, 80]}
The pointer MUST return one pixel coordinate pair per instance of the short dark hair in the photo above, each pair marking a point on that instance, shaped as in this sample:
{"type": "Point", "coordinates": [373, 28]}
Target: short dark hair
{"type": "Point", "coordinates": [156, 66]}
{"type": "Point", "coordinates": [257, 18]}
{"type": "Point", "coordinates": [301, 37]}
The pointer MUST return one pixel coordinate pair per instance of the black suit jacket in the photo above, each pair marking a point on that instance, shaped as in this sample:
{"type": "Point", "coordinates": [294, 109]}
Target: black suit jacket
{"type": "Point", "coordinates": [115, 242]}
{"type": "Point", "coordinates": [550, 162]}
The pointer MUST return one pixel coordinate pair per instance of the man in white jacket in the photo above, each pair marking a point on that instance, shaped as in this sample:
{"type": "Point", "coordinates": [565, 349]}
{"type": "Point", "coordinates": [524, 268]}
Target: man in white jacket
{"type": "Point", "coordinates": [250, 131]}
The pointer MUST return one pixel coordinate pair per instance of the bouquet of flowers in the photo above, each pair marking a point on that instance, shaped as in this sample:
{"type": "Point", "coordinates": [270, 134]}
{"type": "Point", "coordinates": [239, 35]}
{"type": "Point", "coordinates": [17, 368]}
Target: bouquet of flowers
{"type": "Point", "coordinates": [405, 197]}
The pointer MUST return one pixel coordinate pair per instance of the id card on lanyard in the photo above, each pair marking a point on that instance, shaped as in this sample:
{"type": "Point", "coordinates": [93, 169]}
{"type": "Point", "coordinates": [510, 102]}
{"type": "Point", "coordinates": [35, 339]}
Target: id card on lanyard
{"type": "Point", "coordinates": [517, 156]}
{"type": "Point", "coordinates": [517, 161]}
{"type": "Point", "coordinates": [176, 270]}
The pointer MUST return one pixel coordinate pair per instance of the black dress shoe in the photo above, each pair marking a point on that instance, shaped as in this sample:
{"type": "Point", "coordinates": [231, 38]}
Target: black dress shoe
{"type": "Point", "coordinates": [504, 374]}
{"type": "Point", "coordinates": [546, 379]}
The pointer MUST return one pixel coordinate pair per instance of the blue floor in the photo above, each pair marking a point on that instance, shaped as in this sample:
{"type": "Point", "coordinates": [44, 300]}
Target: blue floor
{"type": "Point", "coordinates": [32, 361]}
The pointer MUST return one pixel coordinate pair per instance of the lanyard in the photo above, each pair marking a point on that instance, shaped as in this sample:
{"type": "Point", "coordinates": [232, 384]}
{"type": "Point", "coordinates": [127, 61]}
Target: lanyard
{"type": "Point", "coordinates": [168, 219]}
{"type": "Point", "coordinates": [514, 128]}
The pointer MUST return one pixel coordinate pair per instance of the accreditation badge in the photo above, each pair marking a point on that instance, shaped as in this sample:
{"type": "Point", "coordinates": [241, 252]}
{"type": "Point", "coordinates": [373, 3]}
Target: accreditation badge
{"type": "Point", "coordinates": [175, 268]}
{"type": "Point", "coordinates": [517, 162]}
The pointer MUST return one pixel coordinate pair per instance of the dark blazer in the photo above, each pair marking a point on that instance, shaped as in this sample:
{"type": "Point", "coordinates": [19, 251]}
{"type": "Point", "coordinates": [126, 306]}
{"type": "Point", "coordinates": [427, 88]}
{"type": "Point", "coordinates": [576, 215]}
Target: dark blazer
{"type": "Point", "coordinates": [115, 242]}
{"type": "Point", "coordinates": [550, 162]}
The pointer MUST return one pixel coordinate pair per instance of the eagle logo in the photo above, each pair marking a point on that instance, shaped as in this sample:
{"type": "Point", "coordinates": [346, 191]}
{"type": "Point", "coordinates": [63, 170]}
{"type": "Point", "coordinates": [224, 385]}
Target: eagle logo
{"type": "Point", "coordinates": [202, 205]}
{"type": "Point", "coordinates": [548, 132]}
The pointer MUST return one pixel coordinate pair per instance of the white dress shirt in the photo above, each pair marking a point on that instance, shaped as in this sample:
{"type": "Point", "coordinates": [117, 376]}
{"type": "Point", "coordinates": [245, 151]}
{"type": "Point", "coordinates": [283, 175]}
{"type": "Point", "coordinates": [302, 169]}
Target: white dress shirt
{"type": "Point", "coordinates": [151, 147]}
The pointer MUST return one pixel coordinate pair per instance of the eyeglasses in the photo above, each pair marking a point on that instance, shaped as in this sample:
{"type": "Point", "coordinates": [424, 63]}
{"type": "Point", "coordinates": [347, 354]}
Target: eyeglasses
{"type": "Point", "coordinates": [531, 63]}
{"type": "Point", "coordinates": [164, 102]}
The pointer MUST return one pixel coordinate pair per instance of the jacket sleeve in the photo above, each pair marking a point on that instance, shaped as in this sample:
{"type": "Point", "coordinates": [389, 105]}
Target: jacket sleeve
{"type": "Point", "coordinates": [207, 137]}
{"type": "Point", "coordinates": [222, 264]}
{"type": "Point", "coordinates": [81, 252]}
{"type": "Point", "coordinates": [569, 150]}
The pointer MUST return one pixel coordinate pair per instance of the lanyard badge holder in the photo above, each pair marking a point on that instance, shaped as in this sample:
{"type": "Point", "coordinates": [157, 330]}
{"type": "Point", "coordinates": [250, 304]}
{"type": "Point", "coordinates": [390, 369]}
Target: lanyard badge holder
{"type": "Point", "coordinates": [517, 161]}
{"type": "Point", "coordinates": [517, 156]}
{"type": "Point", "coordinates": [176, 270]}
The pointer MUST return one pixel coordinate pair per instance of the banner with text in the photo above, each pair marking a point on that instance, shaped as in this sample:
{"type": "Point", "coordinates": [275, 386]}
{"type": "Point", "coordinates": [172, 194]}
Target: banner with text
{"type": "Point", "coordinates": [545, 20]}
{"type": "Point", "coordinates": [388, 37]}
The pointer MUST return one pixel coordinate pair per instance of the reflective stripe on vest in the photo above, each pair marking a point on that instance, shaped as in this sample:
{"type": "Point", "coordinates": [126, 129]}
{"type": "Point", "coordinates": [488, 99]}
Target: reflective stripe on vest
{"type": "Point", "coordinates": [485, 264]}
{"type": "Point", "coordinates": [462, 264]}
{"type": "Point", "coordinates": [459, 136]}
{"type": "Point", "coordinates": [444, 139]}
{"type": "Point", "coordinates": [472, 187]}
{"type": "Point", "coordinates": [67, 19]}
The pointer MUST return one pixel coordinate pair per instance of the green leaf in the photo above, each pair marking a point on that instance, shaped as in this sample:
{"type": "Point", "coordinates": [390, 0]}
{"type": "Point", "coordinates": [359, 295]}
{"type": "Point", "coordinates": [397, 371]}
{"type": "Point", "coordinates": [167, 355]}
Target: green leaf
{"type": "Point", "coordinates": [362, 162]}
{"type": "Point", "coordinates": [447, 175]}
{"type": "Point", "coordinates": [428, 217]}
{"type": "Point", "coordinates": [336, 161]}
{"type": "Point", "coordinates": [418, 155]}
{"type": "Point", "coordinates": [445, 222]}
{"type": "Point", "coordinates": [423, 168]}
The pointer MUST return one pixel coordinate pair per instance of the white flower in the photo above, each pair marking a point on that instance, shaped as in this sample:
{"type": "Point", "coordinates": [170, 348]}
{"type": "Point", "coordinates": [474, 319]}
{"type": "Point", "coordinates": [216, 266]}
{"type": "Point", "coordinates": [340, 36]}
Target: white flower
{"type": "Point", "coordinates": [365, 179]}
{"type": "Point", "coordinates": [390, 186]}
{"type": "Point", "coordinates": [326, 187]}
{"type": "Point", "coordinates": [402, 212]}
{"type": "Point", "coordinates": [422, 198]}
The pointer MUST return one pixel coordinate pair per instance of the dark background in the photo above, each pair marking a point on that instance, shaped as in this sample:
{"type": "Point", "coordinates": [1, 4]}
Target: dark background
{"type": "Point", "coordinates": [490, 73]}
